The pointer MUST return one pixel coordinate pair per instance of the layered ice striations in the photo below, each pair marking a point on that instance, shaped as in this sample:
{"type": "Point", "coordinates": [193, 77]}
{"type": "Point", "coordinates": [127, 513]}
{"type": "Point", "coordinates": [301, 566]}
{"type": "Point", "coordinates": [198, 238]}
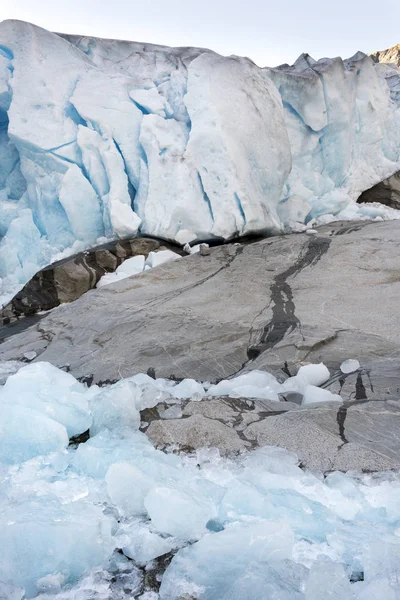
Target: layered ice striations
{"type": "Point", "coordinates": [102, 138]}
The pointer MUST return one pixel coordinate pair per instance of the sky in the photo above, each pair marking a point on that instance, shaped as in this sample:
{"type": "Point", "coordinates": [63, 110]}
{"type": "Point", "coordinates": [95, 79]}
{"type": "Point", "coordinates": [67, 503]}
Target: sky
{"type": "Point", "coordinates": [269, 32]}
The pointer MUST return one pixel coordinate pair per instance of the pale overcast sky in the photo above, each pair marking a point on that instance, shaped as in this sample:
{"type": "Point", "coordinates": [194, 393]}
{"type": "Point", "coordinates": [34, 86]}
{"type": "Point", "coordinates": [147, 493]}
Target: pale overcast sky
{"type": "Point", "coordinates": [269, 32]}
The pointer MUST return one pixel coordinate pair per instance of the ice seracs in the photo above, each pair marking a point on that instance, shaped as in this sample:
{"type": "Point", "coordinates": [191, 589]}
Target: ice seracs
{"type": "Point", "coordinates": [181, 144]}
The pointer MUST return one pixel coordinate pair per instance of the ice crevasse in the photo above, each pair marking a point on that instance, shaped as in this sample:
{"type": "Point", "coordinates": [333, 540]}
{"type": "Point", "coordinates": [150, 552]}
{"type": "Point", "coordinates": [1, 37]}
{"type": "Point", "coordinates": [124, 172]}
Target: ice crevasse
{"type": "Point", "coordinates": [103, 138]}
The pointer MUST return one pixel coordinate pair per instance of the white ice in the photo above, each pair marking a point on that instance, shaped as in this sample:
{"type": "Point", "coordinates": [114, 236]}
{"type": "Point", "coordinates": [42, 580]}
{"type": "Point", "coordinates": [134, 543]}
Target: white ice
{"type": "Point", "coordinates": [349, 366]}
{"type": "Point", "coordinates": [314, 394]}
{"type": "Point", "coordinates": [137, 264]}
{"type": "Point", "coordinates": [179, 143]}
{"type": "Point", "coordinates": [239, 527]}
{"type": "Point", "coordinates": [314, 374]}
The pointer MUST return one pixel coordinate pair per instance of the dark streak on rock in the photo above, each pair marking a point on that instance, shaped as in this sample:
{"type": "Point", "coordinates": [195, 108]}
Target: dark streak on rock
{"type": "Point", "coordinates": [284, 320]}
{"type": "Point", "coordinates": [361, 393]}
{"type": "Point", "coordinates": [341, 418]}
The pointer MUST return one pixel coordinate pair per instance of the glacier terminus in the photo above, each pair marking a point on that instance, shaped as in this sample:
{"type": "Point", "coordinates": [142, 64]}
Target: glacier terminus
{"type": "Point", "coordinates": [101, 139]}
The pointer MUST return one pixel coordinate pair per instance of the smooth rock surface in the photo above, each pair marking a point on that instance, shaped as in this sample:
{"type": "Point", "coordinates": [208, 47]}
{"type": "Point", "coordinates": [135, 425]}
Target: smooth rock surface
{"type": "Point", "coordinates": [294, 299]}
{"type": "Point", "coordinates": [360, 435]}
{"type": "Point", "coordinates": [195, 432]}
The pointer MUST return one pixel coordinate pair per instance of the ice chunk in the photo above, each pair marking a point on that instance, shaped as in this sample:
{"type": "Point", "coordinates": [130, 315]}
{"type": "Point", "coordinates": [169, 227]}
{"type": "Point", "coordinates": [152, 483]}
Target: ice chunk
{"type": "Point", "coordinates": [52, 392]}
{"type": "Point", "coordinates": [314, 374]}
{"type": "Point", "coordinates": [30, 355]}
{"type": "Point", "coordinates": [259, 384]}
{"type": "Point", "coordinates": [10, 592]}
{"type": "Point", "coordinates": [349, 366]}
{"type": "Point", "coordinates": [109, 278]}
{"type": "Point", "coordinates": [382, 561]}
{"type": "Point", "coordinates": [188, 388]}
{"type": "Point", "coordinates": [107, 447]}
{"type": "Point", "coordinates": [322, 572]}
{"type": "Point", "coordinates": [380, 589]}
{"type": "Point", "coordinates": [127, 487]}
{"type": "Point", "coordinates": [179, 513]}
{"type": "Point", "coordinates": [25, 433]}
{"type": "Point", "coordinates": [51, 584]}
{"type": "Point", "coordinates": [142, 545]}
{"type": "Point", "coordinates": [313, 394]}
{"type": "Point", "coordinates": [115, 407]}
{"type": "Point", "coordinates": [42, 538]}
{"type": "Point", "coordinates": [132, 266]}
{"type": "Point", "coordinates": [296, 384]}
{"type": "Point", "coordinates": [174, 412]}
{"type": "Point", "coordinates": [249, 560]}
{"type": "Point", "coordinates": [137, 264]}
{"type": "Point", "coordinates": [161, 257]}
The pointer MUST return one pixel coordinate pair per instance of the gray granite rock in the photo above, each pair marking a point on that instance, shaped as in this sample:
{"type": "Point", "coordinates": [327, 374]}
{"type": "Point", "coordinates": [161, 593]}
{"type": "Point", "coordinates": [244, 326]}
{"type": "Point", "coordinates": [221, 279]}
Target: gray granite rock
{"type": "Point", "coordinates": [68, 279]}
{"type": "Point", "coordinates": [195, 432]}
{"type": "Point", "coordinates": [361, 436]}
{"type": "Point", "coordinates": [290, 299]}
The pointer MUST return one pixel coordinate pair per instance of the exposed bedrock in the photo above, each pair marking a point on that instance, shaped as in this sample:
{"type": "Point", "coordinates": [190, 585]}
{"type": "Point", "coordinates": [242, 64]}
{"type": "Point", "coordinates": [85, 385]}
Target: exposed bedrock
{"type": "Point", "coordinates": [288, 299]}
{"type": "Point", "coordinates": [68, 279]}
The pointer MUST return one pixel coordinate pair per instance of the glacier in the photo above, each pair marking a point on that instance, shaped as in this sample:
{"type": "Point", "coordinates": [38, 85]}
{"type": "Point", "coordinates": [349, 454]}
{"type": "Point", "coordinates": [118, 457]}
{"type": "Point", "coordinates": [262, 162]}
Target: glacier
{"type": "Point", "coordinates": [84, 519]}
{"type": "Point", "coordinates": [101, 139]}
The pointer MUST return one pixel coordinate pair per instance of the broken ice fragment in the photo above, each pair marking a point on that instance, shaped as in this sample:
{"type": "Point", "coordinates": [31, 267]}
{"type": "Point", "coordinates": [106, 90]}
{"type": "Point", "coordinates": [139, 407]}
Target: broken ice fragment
{"type": "Point", "coordinates": [349, 366]}
{"type": "Point", "coordinates": [179, 513]}
{"type": "Point", "coordinates": [314, 394]}
{"type": "Point", "coordinates": [160, 257]}
{"type": "Point", "coordinates": [127, 487]}
{"type": "Point", "coordinates": [314, 374]}
{"type": "Point", "coordinates": [142, 545]}
{"type": "Point", "coordinates": [25, 433]}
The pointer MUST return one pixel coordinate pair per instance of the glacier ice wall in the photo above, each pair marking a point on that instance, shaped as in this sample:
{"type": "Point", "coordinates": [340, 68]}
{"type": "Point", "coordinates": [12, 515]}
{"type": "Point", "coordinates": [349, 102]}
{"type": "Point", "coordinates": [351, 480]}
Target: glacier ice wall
{"type": "Point", "coordinates": [102, 138]}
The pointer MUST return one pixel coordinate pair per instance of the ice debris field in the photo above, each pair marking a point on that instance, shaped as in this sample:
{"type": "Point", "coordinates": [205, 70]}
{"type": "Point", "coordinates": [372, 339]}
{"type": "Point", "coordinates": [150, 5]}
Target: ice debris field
{"type": "Point", "coordinates": [88, 520]}
{"type": "Point", "coordinates": [116, 138]}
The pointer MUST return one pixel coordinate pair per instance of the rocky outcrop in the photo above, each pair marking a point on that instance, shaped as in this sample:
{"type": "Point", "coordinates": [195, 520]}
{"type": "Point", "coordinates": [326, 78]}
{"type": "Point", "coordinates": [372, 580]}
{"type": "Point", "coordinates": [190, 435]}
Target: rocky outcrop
{"type": "Point", "coordinates": [66, 280]}
{"type": "Point", "coordinates": [387, 192]}
{"type": "Point", "coordinates": [391, 55]}
{"type": "Point", "coordinates": [359, 435]}
{"type": "Point", "coordinates": [289, 299]}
